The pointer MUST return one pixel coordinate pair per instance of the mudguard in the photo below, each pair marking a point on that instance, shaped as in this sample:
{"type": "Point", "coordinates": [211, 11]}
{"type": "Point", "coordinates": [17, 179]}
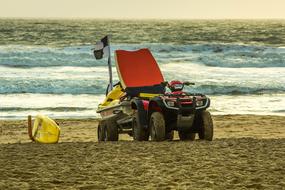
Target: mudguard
{"type": "Point", "coordinates": [141, 106]}
{"type": "Point", "coordinates": [155, 104]}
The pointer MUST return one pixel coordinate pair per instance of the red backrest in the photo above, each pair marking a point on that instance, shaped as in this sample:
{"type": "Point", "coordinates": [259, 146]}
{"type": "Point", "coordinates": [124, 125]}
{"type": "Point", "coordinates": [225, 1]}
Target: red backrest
{"type": "Point", "coordinates": [137, 68]}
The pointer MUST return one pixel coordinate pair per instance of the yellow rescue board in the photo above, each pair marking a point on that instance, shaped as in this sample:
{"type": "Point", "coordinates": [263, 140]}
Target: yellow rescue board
{"type": "Point", "coordinates": [45, 130]}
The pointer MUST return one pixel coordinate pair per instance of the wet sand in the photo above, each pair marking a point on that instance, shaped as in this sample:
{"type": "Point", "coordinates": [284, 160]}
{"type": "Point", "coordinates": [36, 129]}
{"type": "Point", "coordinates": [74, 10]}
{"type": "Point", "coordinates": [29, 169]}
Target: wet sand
{"type": "Point", "coordinates": [248, 152]}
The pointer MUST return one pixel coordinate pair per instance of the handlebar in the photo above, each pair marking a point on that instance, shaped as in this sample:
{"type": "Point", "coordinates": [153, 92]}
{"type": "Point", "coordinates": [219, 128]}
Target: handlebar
{"type": "Point", "coordinates": [188, 83]}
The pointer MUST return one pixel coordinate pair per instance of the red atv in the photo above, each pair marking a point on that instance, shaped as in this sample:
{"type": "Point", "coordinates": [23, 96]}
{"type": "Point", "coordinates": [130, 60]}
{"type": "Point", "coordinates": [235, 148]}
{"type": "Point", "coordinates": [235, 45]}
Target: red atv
{"type": "Point", "coordinates": [176, 110]}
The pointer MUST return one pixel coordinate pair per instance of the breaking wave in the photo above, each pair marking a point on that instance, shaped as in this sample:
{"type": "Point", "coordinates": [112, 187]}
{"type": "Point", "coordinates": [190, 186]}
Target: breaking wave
{"type": "Point", "coordinates": [84, 86]}
{"type": "Point", "coordinates": [215, 55]}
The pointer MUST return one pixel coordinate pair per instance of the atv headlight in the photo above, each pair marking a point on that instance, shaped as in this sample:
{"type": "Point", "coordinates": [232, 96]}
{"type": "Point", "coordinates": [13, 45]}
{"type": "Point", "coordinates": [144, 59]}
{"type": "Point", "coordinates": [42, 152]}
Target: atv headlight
{"type": "Point", "coordinates": [199, 103]}
{"type": "Point", "coordinates": [177, 86]}
{"type": "Point", "coordinates": [170, 103]}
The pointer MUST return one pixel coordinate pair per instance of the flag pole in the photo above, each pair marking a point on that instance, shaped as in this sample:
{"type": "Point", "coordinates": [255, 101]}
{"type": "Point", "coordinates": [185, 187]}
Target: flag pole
{"type": "Point", "coordinates": [110, 86]}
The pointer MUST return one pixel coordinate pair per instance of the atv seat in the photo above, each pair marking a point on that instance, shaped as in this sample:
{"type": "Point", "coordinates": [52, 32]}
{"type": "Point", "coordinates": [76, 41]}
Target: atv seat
{"type": "Point", "coordinates": [138, 72]}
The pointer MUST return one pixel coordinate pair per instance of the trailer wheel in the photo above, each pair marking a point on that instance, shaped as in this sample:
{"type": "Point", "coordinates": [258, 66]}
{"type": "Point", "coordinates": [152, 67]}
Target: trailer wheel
{"type": "Point", "coordinates": [139, 132]}
{"type": "Point", "coordinates": [206, 131]}
{"type": "Point", "coordinates": [111, 131]}
{"type": "Point", "coordinates": [157, 127]}
{"type": "Point", "coordinates": [101, 131]}
{"type": "Point", "coordinates": [184, 136]}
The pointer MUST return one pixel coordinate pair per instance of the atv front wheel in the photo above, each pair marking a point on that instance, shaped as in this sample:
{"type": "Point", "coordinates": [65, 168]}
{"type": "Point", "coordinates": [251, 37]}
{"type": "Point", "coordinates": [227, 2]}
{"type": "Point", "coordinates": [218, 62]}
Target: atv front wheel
{"type": "Point", "coordinates": [157, 127]}
{"type": "Point", "coordinates": [139, 132]}
{"type": "Point", "coordinates": [184, 136]}
{"type": "Point", "coordinates": [206, 131]}
{"type": "Point", "coordinates": [111, 131]}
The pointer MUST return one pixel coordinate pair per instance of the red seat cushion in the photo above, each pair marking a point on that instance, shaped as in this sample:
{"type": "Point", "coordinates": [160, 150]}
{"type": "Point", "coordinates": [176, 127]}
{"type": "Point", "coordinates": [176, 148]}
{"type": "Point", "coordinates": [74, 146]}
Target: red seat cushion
{"type": "Point", "coordinates": [137, 68]}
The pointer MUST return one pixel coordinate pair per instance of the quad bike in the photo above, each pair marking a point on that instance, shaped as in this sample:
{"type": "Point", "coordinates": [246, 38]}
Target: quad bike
{"type": "Point", "coordinates": [146, 107]}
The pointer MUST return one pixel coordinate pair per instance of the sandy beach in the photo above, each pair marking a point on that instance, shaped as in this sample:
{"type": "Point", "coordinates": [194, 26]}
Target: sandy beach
{"type": "Point", "coordinates": [247, 152]}
{"type": "Point", "coordinates": [73, 60]}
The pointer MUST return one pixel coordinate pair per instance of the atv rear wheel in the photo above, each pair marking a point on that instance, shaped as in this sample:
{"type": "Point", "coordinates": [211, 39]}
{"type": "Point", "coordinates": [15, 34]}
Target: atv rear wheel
{"type": "Point", "coordinates": [206, 131]}
{"type": "Point", "coordinates": [111, 131]}
{"type": "Point", "coordinates": [157, 127]}
{"type": "Point", "coordinates": [184, 136]}
{"type": "Point", "coordinates": [101, 131]}
{"type": "Point", "coordinates": [139, 132]}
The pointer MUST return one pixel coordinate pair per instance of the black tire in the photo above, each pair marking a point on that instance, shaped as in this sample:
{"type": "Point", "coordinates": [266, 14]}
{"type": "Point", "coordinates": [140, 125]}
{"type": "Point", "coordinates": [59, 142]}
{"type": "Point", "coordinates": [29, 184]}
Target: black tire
{"type": "Point", "coordinates": [157, 127]}
{"type": "Point", "coordinates": [111, 131]}
{"type": "Point", "coordinates": [139, 132]}
{"type": "Point", "coordinates": [206, 131]}
{"type": "Point", "coordinates": [101, 131]}
{"type": "Point", "coordinates": [169, 136]}
{"type": "Point", "coordinates": [184, 136]}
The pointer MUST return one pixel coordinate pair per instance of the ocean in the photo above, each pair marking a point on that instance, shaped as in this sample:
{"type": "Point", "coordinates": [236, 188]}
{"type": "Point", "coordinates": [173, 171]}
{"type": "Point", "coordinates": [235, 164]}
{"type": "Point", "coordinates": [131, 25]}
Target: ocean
{"type": "Point", "coordinates": [47, 66]}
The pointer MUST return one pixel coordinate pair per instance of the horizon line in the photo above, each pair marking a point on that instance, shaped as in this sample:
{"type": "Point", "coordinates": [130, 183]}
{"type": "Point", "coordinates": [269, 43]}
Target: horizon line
{"type": "Point", "coordinates": [112, 18]}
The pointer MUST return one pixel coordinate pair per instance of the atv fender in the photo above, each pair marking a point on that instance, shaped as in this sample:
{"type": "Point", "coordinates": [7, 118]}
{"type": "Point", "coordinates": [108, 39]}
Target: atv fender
{"type": "Point", "coordinates": [141, 106]}
{"type": "Point", "coordinates": [155, 105]}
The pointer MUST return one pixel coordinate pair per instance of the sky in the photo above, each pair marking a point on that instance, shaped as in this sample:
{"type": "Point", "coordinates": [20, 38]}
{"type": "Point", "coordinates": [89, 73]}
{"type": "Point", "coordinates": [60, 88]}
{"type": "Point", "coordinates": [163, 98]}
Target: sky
{"type": "Point", "coordinates": [144, 9]}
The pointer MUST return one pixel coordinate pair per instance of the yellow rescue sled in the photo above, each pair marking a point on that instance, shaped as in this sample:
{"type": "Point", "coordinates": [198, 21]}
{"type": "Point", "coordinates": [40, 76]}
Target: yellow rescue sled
{"type": "Point", "coordinates": [44, 129]}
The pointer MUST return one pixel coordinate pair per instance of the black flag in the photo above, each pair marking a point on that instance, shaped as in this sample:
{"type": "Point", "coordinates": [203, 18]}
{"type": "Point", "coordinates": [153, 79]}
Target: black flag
{"type": "Point", "coordinates": [101, 48]}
